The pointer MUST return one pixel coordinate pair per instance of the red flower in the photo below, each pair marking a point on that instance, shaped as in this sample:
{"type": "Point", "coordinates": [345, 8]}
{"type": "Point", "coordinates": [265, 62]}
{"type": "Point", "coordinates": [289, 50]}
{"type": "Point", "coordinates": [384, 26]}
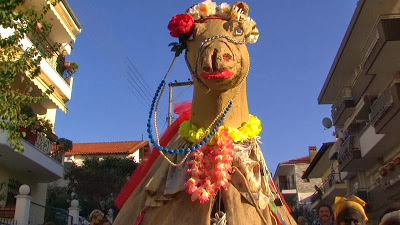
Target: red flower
{"type": "Point", "coordinates": [180, 24]}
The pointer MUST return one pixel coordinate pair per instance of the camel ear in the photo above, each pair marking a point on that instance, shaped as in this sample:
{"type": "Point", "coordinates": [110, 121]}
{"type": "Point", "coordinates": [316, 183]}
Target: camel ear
{"type": "Point", "coordinates": [241, 7]}
{"type": "Point", "coordinates": [199, 29]}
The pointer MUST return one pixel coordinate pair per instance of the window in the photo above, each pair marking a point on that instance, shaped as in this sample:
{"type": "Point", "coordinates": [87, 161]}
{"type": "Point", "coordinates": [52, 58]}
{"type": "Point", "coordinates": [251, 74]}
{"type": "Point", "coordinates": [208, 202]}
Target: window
{"type": "Point", "coordinates": [13, 187]}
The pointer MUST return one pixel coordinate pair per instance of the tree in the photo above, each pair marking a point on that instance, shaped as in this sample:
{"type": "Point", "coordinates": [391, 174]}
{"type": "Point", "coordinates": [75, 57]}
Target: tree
{"type": "Point", "coordinates": [97, 182]}
{"type": "Point", "coordinates": [59, 198]}
{"type": "Point", "coordinates": [18, 66]}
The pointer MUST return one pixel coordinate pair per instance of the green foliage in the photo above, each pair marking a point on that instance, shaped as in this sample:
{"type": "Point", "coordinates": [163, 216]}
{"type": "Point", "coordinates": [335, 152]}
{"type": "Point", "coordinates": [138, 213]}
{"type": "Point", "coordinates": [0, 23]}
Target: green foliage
{"type": "Point", "coordinates": [97, 182]}
{"type": "Point", "coordinates": [58, 197]}
{"type": "Point", "coordinates": [178, 48]}
{"type": "Point", "coordinates": [74, 67]}
{"type": "Point", "coordinates": [47, 126]}
{"type": "Point", "coordinates": [64, 145]}
{"type": "Point", "coordinates": [18, 67]}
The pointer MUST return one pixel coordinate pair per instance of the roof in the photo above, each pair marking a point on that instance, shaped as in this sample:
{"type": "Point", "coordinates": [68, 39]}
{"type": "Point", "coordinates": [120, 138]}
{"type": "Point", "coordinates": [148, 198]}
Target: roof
{"type": "Point", "coordinates": [122, 147]}
{"type": "Point", "coordinates": [72, 13]}
{"type": "Point", "coordinates": [318, 156]}
{"type": "Point", "coordinates": [304, 159]}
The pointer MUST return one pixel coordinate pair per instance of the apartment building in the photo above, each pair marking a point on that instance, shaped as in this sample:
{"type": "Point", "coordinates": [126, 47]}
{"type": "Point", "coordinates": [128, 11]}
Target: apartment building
{"type": "Point", "coordinates": [326, 167]}
{"type": "Point", "coordinates": [288, 177]}
{"type": "Point", "coordinates": [363, 86]}
{"type": "Point", "coordinates": [37, 166]}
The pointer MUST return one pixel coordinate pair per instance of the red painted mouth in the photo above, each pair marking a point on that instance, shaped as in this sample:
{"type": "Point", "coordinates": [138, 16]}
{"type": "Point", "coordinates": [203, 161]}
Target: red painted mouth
{"type": "Point", "coordinates": [219, 74]}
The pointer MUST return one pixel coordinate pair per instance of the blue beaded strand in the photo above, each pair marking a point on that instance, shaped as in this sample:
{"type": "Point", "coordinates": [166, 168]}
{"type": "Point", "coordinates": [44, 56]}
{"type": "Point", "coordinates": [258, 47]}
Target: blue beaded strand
{"type": "Point", "coordinates": [183, 150]}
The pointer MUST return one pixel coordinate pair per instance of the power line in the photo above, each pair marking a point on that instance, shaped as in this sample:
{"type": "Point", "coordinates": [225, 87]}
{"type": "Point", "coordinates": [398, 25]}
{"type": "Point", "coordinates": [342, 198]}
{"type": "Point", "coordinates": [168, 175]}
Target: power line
{"type": "Point", "coordinates": [162, 113]}
{"type": "Point", "coordinates": [142, 89]}
{"type": "Point", "coordinates": [181, 93]}
{"type": "Point", "coordinates": [138, 91]}
{"type": "Point", "coordinates": [141, 102]}
{"type": "Point", "coordinates": [137, 85]}
{"type": "Point", "coordinates": [140, 75]}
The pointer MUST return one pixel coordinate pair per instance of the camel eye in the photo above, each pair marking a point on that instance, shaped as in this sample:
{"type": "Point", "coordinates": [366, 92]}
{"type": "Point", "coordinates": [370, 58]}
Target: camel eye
{"type": "Point", "coordinates": [238, 31]}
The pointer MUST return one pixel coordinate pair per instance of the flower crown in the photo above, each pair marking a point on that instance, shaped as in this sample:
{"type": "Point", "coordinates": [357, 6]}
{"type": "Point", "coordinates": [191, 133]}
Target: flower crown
{"type": "Point", "coordinates": [181, 24]}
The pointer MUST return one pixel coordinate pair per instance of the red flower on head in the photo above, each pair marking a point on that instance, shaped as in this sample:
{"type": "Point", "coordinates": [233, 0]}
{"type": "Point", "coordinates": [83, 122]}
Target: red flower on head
{"type": "Point", "coordinates": [180, 24]}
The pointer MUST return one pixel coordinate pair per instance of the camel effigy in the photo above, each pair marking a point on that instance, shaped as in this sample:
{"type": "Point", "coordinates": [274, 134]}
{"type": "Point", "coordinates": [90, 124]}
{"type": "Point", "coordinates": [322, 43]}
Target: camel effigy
{"type": "Point", "coordinates": [207, 168]}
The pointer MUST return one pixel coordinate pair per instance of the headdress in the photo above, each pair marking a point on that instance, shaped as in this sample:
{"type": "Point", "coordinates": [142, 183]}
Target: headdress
{"type": "Point", "coordinates": [353, 202]}
{"type": "Point", "coordinates": [181, 25]}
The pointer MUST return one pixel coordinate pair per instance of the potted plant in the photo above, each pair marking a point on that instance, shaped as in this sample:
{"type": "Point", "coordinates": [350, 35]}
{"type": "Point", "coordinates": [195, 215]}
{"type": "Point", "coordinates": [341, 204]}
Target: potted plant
{"type": "Point", "coordinates": [48, 130]}
{"type": "Point", "coordinates": [73, 67]}
{"type": "Point", "coordinates": [64, 145]}
{"type": "Point", "coordinates": [38, 126]}
{"type": "Point", "coordinates": [390, 166]}
{"type": "Point", "coordinates": [49, 50]}
{"type": "Point", "coordinates": [382, 171]}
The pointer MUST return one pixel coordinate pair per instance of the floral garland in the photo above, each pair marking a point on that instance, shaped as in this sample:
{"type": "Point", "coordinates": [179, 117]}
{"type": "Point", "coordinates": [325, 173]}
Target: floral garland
{"type": "Point", "coordinates": [181, 25]}
{"type": "Point", "coordinates": [210, 168]}
{"type": "Point", "coordinates": [211, 165]}
{"type": "Point", "coordinates": [248, 130]}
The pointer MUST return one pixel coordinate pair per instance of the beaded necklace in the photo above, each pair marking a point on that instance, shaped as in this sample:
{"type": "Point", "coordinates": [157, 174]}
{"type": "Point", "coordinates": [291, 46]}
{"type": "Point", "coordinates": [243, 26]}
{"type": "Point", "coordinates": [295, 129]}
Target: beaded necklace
{"type": "Point", "coordinates": [217, 121]}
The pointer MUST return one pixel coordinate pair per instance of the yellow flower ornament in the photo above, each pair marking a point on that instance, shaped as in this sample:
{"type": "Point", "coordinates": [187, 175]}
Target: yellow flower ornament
{"type": "Point", "coordinates": [248, 130]}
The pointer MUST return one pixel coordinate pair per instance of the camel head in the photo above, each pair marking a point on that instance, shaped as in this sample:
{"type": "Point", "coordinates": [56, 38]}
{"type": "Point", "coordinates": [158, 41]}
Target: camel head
{"type": "Point", "coordinates": [216, 54]}
{"type": "Point", "coordinates": [215, 37]}
{"type": "Point", "coordinates": [222, 63]}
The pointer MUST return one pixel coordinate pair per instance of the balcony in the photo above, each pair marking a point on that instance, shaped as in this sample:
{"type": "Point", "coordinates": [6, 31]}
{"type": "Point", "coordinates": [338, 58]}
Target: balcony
{"type": "Point", "coordinates": [385, 190]}
{"type": "Point", "coordinates": [44, 45]}
{"type": "Point", "coordinates": [385, 110]}
{"type": "Point", "coordinates": [49, 75]}
{"type": "Point", "coordinates": [35, 163]}
{"type": "Point", "coordinates": [359, 119]}
{"type": "Point", "coordinates": [342, 107]}
{"type": "Point", "coordinates": [349, 155]}
{"type": "Point", "coordinates": [42, 143]}
{"type": "Point", "coordinates": [287, 187]}
{"type": "Point", "coordinates": [65, 24]}
{"type": "Point", "coordinates": [331, 187]}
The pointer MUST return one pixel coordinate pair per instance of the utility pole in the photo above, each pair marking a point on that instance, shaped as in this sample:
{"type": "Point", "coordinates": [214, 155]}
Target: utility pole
{"type": "Point", "coordinates": [171, 86]}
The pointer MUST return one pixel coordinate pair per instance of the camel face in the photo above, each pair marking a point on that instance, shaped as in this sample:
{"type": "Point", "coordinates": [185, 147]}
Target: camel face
{"type": "Point", "coordinates": [222, 63]}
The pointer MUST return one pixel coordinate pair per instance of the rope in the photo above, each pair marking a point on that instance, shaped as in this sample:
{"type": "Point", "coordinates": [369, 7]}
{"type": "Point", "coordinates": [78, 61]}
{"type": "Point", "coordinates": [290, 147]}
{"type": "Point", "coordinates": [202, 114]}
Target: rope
{"type": "Point", "coordinates": [220, 219]}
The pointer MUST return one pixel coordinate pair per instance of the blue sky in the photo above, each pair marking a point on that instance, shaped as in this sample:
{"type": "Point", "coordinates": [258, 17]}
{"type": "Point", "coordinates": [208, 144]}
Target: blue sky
{"type": "Point", "coordinates": [289, 64]}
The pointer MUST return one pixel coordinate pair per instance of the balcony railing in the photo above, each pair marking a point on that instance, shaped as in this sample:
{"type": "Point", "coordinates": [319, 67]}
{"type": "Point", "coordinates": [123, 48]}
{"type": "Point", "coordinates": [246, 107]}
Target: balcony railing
{"type": "Point", "coordinates": [41, 142]}
{"type": "Point", "coordinates": [348, 152]}
{"type": "Point", "coordinates": [287, 186]}
{"type": "Point", "coordinates": [343, 102]}
{"type": "Point", "coordinates": [386, 107]}
{"type": "Point", "coordinates": [359, 119]}
{"type": "Point", "coordinates": [44, 45]}
{"type": "Point", "coordinates": [330, 181]}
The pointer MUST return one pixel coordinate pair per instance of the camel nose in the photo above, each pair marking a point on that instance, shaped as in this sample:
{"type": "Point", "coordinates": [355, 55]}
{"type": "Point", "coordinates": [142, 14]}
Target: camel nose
{"type": "Point", "coordinates": [215, 59]}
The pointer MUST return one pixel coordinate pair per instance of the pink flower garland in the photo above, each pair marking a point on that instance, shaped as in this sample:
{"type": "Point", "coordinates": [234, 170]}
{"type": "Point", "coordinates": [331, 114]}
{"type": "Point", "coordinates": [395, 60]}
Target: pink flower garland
{"type": "Point", "coordinates": [210, 167]}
